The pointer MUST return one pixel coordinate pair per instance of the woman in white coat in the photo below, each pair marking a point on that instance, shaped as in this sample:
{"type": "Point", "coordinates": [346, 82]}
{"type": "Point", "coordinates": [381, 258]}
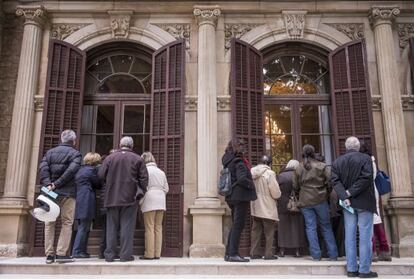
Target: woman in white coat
{"type": "Point", "coordinates": [153, 206]}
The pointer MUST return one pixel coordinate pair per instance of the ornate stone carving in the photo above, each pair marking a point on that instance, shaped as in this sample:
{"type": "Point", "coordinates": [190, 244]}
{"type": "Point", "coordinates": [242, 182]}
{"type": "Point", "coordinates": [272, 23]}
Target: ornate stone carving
{"type": "Point", "coordinates": [32, 14]}
{"type": "Point", "coordinates": [177, 30]}
{"type": "Point", "coordinates": [294, 23]}
{"type": "Point", "coordinates": [38, 102]}
{"type": "Point", "coordinates": [223, 103]}
{"type": "Point", "coordinates": [354, 31]}
{"type": "Point", "coordinates": [236, 30]}
{"type": "Point", "coordinates": [405, 31]}
{"type": "Point", "coordinates": [191, 103]}
{"type": "Point", "coordinates": [376, 102]}
{"type": "Point", "coordinates": [407, 102]}
{"type": "Point", "coordinates": [383, 14]}
{"type": "Point", "coordinates": [207, 14]}
{"type": "Point", "coordinates": [62, 31]}
{"type": "Point", "coordinates": [120, 23]}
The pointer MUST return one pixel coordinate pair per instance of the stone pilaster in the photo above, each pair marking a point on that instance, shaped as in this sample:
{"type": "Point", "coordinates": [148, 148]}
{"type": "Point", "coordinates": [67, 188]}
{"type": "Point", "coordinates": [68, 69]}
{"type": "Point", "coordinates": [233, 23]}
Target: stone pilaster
{"type": "Point", "coordinates": [381, 19]}
{"type": "Point", "coordinates": [13, 204]}
{"type": "Point", "coordinates": [207, 211]}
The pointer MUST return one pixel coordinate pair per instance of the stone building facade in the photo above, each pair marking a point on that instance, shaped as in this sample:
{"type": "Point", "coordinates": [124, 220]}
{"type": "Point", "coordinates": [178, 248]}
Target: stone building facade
{"type": "Point", "coordinates": [183, 77]}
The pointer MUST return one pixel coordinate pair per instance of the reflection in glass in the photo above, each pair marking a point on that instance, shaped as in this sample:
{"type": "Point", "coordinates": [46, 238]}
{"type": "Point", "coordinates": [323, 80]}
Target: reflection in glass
{"type": "Point", "coordinates": [278, 119]}
{"type": "Point", "coordinates": [104, 144]}
{"type": "Point", "coordinates": [281, 150]}
{"type": "Point", "coordinates": [133, 119]}
{"type": "Point", "coordinates": [120, 84]}
{"type": "Point", "coordinates": [309, 118]}
{"type": "Point", "coordinates": [105, 119]}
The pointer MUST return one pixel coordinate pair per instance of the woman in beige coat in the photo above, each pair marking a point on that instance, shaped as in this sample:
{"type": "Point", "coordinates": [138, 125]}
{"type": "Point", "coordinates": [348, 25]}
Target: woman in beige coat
{"type": "Point", "coordinates": [264, 209]}
{"type": "Point", "coordinates": [153, 206]}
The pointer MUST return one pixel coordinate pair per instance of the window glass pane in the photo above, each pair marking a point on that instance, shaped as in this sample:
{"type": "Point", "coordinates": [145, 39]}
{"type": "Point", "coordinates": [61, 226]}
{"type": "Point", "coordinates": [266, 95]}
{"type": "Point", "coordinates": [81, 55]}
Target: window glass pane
{"type": "Point", "coordinates": [120, 84]}
{"type": "Point", "coordinates": [147, 119]}
{"type": "Point", "coordinates": [278, 119]}
{"type": "Point", "coordinates": [101, 69]}
{"type": "Point", "coordinates": [87, 119]}
{"type": "Point", "coordinates": [140, 68]}
{"type": "Point", "coordinates": [133, 119]}
{"type": "Point", "coordinates": [146, 143]}
{"type": "Point", "coordinates": [122, 63]}
{"type": "Point", "coordinates": [105, 119]}
{"type": "Point", "coordinates": [86, 144]}
{"type": "Point", "coordinates": [309, 119]}
{"type": "Point", "coordinates": [312, 140]}
{"type": "Point", "coordinates": [327, 149]}
{"type": "Point", "coordinates": [281, 150]}
{"type": "Point", "coordinates": [138, 143]}
{"type": "Point", "coordinates": [104, 144]}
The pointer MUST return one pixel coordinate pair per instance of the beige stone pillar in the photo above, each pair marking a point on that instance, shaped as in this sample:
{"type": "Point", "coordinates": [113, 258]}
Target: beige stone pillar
{"type": "Point", "coordinates": [401, 205]}
{"type": "Point", "coordinates": [207, 210]}
{"type": "Point", "coordinates": [13, 204]}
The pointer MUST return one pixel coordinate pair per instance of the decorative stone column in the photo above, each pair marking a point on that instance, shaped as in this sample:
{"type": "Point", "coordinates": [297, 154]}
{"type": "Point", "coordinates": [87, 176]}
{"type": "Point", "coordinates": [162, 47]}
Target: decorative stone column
{"type": "Point", "coordinates": [207, 210]}
{"type": "Point", "coordinates": [13, 204]}
{"type": "Point", "coordinates": [401, 204]}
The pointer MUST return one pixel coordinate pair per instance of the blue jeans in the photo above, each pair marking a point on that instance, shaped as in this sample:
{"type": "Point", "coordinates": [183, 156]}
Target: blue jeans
{"type": "Point", "coordinates": [364, 220]}
{"type": "Point", "coordinates": [81, 239]}
{"type": "Point", "coordinates": [313, 214]}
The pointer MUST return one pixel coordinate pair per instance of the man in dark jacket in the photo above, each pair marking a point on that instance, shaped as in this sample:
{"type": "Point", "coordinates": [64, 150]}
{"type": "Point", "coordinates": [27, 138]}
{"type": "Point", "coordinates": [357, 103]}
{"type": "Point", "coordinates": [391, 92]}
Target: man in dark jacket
{"type": "Point", "coordinates": [352, 180]}
{"type": "Point", "coordinates": [126, 179]}
{"type": "Point", "coordinates": [57, 171]}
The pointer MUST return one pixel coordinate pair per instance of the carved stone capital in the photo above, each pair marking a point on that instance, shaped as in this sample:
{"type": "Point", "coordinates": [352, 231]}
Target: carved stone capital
{"type": "Point", "coordinates": [38, 102]}
{"type": "Point", "coordinates": [383, 15]}
{"type": "Point", "coordinates": [62, 31]}
{"type": "Point", "coordinates": [223, 103]}
{"type": "Point", "coordinates": [119, 21]}
{"type": "Point", "coordinates": [36, 15]}
{"type": "Point", "coordinates": [376, 102]}
{"type": "Point", "coordinates": [407, 102]}
{"type": "Point", "coordinates": [177, 30]}
{"type": "Point", "coordinates": [405, 31]}
{"type": "Point", "coordinates": [236, 30]}
{"type": "Point", "coordinates": [207, 14]}
{"type": "Point", "coordinates": [294, 23]}
{"type": "Point", "coordinates": [354, 31]}
{"type": "Point", "coordinates": [191, 103]}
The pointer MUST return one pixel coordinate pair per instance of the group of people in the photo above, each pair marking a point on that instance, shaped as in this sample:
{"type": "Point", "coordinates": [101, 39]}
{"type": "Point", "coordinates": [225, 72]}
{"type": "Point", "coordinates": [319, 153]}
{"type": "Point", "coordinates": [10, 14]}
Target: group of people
{"type": "Point", "coordinates": [127, 181]}
{"type": "Point", "coordinates": [308, 198]}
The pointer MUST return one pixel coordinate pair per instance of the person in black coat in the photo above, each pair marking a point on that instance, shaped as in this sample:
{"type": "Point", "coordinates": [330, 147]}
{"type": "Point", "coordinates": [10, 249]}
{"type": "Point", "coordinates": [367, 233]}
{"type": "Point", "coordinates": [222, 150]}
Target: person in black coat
{"type": "Point", "coordinates": [243, 191]}
{"type": "Point", "coordinates": [87, 181]}
{"type": "Point", "coordinates": [57, 171]}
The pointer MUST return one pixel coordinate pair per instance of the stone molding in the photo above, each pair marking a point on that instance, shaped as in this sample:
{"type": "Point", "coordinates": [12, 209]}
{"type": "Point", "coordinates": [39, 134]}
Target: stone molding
{"type": "Point", "coordinates": [119, 21]}
{"type": "Point", "coordinates": [223, 103]}
{"type": "Point", "coordinates": [38, 102]}
{"type": "Point", "coordinates": [177, 30]}
{"type": "Point", "coordinates": [383, 15]}
{"type": "Point", "coordinates": [354, 31]}
{"type": "Point", "coordinates": [207, 14]}
{"type": "Point", "coordinates": [405, 31]}
{"type": "Point", "coordinates": [236, 30]}
{"type": "Point", "coordinates": [191, 103]}
{"type": "Point", "coordinates": [63, 30]}
{"type": "Point", "coordinates": [36, 15]}
{"type": "Point", "coordinates": [294, 23]}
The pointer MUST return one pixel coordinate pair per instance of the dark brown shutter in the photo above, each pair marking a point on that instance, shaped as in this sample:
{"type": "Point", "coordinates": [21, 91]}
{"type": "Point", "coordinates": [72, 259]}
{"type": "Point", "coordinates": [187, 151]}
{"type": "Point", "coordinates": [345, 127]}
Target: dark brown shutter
{"type": "Point", "coordinates": [167, 137]}
{"type": "Point", "coordinates": [351, 98]}
{"type": "Point", "coordinates": [411, 60]}
{"type": "Point", "coordinates": [62, 109]}
{"type": "Point", "coordinates": [247, 106]}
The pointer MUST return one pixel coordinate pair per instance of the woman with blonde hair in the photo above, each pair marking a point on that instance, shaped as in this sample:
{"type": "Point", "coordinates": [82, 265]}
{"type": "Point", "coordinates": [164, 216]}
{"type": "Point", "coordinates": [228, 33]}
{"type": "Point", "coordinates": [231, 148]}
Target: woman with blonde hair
{"type": "Point", "coordinates": [153, 205]}
{"type": "Point", "coordinates": [87, 181]}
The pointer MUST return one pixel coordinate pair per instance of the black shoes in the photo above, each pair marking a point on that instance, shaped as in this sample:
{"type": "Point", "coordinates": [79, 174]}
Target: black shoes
{"type": "Point", "coordinates": [145, 258]}
{"type": "Point", "coordinates": [352, 274]}
{"type": "Point", "coordinates": [271, 258]}
{"type": "Point", "coordinates": [50, 259]}
{"type": "Point", "coordinates": [130, 259]}
{"type": "Point", "coordinates": [255, 257]}
{"type": "Point", "coordinates": [237, 259]}
{"type": "Point", "coordinates": [368, 275]}
{"type": "Point", "coordinates": [63, 259]}
{"type": "Point", "coordinates": [384, 256]}
{"type": "Point", "coordinates": [226, 258]}
{"type": "Point", "coordinates": [81, 256]}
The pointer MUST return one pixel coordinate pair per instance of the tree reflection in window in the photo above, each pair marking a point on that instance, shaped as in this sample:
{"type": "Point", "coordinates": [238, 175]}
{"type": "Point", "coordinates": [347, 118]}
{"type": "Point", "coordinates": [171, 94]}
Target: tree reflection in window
{"type": "Point", "coordinates": [117, 74]}
{"type": "Point", "coordinates": [297, 75]}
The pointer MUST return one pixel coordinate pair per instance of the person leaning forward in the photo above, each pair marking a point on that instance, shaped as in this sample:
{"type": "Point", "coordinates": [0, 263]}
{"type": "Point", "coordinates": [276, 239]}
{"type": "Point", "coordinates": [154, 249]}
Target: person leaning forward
{"type": "Point", "coordinates": [57, 171]}
{"type": "Point", "coordinates": [126, 178]}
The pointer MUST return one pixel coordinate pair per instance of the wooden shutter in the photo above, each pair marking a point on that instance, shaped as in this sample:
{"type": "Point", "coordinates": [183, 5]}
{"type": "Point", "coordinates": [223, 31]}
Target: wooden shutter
{"type": "Point", "coordinates": [247, 106]}
{"type": "Point", "coordinates": [411, 60]}
{"type": "Point", "coordinates": [351, 98]}
{"type": "Point", "coordinates": [167, 137]}
{"type": "Point", "coordinates": [62, 110]}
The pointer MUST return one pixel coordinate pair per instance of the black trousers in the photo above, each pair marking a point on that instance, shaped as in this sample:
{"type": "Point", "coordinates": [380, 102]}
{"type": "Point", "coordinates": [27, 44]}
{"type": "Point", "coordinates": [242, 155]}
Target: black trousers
{"type": "Point", "coordinates": [102, 242]}
{"type": "Point", "coordinates": [123, 217]}
{"type": "Point", "coordinates": [238, 215]}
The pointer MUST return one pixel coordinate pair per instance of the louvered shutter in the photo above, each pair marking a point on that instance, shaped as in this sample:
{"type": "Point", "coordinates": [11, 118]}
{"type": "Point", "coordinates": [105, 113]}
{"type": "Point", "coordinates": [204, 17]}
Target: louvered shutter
{"type": "Point", "coordinates": [351, 99]}
{"type": "Point", "coordinates": [247, 106]}
{"type": "Point", "coordinates": [411, 60]}
{"type": "Point", "coordinates": [167, 137]}
{"type": "Point", "coordinates": [62, 110]}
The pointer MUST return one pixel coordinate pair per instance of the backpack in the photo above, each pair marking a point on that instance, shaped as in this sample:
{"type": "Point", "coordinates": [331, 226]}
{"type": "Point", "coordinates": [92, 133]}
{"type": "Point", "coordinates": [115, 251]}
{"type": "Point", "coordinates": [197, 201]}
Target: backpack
{"type": "Point", "coordinates": [382, 181]}
{"type": "Point", "coordinates": [224, 184]}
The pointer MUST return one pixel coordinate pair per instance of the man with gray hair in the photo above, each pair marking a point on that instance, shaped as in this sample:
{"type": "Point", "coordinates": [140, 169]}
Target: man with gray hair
{"type": "Point", "coordinates": [57, 171]}
{"type": "Point", "coordinates": [126, 179]}
{"type": "Point", "coordinates": [352, 180]}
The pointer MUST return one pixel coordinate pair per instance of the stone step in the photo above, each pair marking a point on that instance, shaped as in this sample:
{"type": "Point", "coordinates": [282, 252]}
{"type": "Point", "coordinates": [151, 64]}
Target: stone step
{"type": "Point", "coordinates": [202, 267]}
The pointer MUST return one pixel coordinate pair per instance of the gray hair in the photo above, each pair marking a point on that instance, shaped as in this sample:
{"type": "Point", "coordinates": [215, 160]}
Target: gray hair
{"type": "Point", "coordinates": [68, 136]}
{"type": "Point", "coordinates": [352, 143]}
{"type": "Point", "coordinates": [292, 164]}
{"type": "Point", "coordinates": [126, 142]}
{"type": "Point", "coordinates": [148, 157]}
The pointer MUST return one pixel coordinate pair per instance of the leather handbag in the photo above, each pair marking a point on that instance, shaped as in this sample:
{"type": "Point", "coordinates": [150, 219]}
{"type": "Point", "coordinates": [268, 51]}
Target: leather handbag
{"type": "Point", "coordinates": [292, 205]}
